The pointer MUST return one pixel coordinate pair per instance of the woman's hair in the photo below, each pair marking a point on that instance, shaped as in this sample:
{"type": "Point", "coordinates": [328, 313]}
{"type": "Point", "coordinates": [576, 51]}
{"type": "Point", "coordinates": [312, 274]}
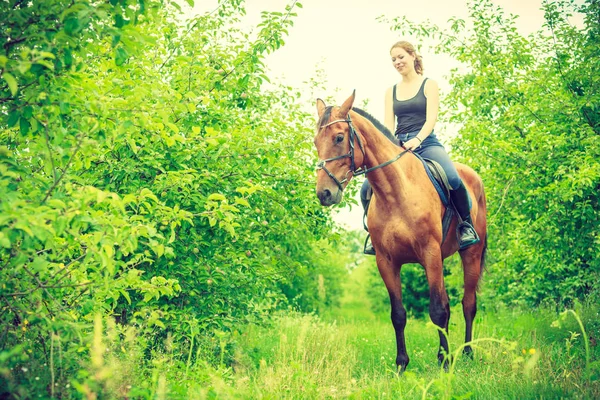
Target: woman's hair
{"type": "Point", "coordinates": [410, 49]}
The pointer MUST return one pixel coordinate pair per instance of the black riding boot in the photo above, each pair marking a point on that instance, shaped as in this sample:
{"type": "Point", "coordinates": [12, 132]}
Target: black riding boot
{"type": "Point", "coordinates": [368, 246]}
{"type": "Point", "coordinates": [465, 232]}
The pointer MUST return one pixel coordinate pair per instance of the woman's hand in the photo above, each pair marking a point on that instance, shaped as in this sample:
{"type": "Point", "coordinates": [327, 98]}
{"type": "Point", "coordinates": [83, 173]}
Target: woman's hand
{"type": "Point", "coordinates": [412, 144]}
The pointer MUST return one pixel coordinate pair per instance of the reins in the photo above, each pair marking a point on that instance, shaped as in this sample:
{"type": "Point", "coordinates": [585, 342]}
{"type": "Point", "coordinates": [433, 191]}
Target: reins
{"type": "Point", "coordinates": [355, 171]}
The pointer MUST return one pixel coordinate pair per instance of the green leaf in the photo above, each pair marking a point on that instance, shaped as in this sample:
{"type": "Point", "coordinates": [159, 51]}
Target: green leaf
{"type": "Point", "coordinates": [4, 241]}
{"type": "Point", "coordinates": [46, 64]}
{"type": "Point", "coordinates": [173, 127]}
{"type": "Point", "coordinates": [108, 250]}
{"type": "Point", "coordinates": [120, 56]}
{"type": "Point", "coordinates": [126, 295]}
{"type": "Point", "coordinates": [13, 118]}
{"type": "Point", "coordinates": [12, 82]}
{"type": "Point", "coordinates": [47, 54]}
{"type": "Point", "coordinates": [64, 107]}
{"type": "Point", "coordinates": [38, 265]}
{"type": "Point", "coordinates": [27, 112]}
{"type": "Point", "coordinates": [241, 201]}
{"type": "Point", "coordinates": [71, 25]}
{"type": "Point", "coordinates": [216, 197]}
{"type": "Point", "coordinates": [24, 126]}
{"type": "Point", "coordinates": [159, 249]}
{"type": "Point", "coordinates": [119, 21]}
{"type": "Point", "coordinates": [68, 58]}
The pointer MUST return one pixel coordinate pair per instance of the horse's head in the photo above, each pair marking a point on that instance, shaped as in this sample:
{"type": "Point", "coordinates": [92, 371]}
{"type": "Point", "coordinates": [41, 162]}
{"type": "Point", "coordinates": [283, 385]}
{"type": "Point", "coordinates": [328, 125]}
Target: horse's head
{"type": "Point", "coordinates": [335, 143]}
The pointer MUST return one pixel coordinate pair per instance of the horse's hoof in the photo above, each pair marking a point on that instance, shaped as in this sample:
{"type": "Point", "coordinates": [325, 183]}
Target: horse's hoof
{"type": "Point", "coordinates": [444, 361]}
{"type": "Point", "coordinates": [401, 364]}
{"type": "Point", "coordinates": [400, 371]}
{"type": "Point", "coordinates": [468, 353]}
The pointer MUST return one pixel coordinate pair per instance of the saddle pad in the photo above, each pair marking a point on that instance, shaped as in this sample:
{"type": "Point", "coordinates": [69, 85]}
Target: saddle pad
{"type": "Point", "coordinates": [438, 177]}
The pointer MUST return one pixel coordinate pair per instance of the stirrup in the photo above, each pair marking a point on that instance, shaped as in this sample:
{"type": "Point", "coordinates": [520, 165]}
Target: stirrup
{"type": "Point", "coordinates": [470, 231]}
{"type": "Point", "coordinates": [368, 246]}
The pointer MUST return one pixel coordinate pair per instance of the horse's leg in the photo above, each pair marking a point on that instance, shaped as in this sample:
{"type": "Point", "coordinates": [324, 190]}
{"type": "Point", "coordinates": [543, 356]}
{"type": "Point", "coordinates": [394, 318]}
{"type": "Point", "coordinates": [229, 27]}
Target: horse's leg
{"type": "Point", "coordinates": [391, 277]}
{"type": "Point", "coordinates": [471, 260]}
{"type": "Point", "coordinates": [439, 307]}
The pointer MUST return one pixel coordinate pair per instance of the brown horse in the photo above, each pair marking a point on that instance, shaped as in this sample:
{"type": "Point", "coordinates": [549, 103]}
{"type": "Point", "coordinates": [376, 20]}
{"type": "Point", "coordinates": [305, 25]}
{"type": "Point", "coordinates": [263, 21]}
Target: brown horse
{"type": "Point", "coordinates": [405, 214]}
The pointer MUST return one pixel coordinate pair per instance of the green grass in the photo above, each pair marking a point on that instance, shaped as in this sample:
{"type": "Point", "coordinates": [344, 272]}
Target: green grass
{"type": "Point", "coordinates": [349, 353]}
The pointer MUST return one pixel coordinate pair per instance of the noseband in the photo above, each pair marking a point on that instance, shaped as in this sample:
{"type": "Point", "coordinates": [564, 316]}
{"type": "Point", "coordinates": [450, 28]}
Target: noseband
{"type": "Point", "coordinates": [355, 171]}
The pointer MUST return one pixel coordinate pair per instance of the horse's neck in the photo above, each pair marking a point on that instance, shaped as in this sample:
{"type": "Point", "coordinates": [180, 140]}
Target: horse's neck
{"type": "Point", "coordinates": [393, 182]}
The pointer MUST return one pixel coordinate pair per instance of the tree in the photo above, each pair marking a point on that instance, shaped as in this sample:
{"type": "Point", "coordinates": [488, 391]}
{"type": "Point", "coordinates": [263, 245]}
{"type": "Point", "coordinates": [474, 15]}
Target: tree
{"type": "Point", "coordinates": [529, 116]}
{"type": "Point", "coordinates": [148, 176]}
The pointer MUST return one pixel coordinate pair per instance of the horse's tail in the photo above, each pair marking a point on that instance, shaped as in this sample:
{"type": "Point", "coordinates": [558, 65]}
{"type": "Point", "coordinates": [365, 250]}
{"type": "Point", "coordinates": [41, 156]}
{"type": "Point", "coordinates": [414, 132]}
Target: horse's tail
{"type": "Point", "coordinates": [483, 253]}
{"type": "Point", "coordinates": [485, 238]}
{"type": "Point", "coordinates": [483, 257]}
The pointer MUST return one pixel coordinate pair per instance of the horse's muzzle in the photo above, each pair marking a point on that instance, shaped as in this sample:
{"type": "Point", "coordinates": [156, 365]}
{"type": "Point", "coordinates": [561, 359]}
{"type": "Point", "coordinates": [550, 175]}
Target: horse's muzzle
{"type": "Point", "coordinates": [329, 197]}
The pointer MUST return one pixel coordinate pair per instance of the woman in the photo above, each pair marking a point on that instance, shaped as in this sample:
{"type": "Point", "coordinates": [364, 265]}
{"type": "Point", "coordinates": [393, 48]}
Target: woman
{"type": "Point", "coordinates": [414, 103]}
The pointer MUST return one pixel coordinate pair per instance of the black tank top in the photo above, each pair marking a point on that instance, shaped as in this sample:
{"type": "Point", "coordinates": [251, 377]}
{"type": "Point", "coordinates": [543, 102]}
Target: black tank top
{"type": "Point", "coordinates": [412, 113]}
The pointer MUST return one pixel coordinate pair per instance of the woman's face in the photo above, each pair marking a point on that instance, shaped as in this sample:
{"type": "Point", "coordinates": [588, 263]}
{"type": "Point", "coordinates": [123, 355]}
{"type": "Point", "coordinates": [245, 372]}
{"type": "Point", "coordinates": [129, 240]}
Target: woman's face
{"type": "Point", "coordinates": [402, 60]}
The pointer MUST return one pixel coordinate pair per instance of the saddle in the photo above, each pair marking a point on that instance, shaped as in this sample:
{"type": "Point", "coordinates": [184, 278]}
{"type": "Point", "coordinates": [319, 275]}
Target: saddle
{"type": "Point", "coordinates": [438, 178]}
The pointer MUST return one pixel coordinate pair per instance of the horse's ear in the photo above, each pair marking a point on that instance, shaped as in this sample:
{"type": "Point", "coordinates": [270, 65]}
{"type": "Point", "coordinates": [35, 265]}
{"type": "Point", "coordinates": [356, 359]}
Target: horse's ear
{"type": "Point", "coordinates": [320, 107]}
{"type": "Point", "coordinates": [345, 108]}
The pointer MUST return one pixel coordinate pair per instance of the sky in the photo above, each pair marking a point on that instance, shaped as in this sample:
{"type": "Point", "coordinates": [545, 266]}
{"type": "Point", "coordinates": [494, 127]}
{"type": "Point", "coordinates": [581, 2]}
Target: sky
{"type": "Point", "coordinates": [344, 39]}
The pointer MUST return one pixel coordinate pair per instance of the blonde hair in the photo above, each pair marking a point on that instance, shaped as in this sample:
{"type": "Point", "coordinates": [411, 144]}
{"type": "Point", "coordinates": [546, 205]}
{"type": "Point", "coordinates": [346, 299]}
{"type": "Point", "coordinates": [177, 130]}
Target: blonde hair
{"type": "Point", "coordinates": [410, 49]}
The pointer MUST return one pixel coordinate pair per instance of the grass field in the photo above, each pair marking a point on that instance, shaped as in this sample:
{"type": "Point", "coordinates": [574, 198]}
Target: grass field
{"type": "Point", "coordinates": [350, 353]}
{"type": "Point", "coordinates": [346, 353]}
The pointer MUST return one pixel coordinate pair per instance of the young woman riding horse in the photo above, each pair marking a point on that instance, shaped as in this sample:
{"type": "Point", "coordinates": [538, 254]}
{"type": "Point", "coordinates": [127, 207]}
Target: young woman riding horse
{"type": "Point", "coordinates": [414, 103]}
{"type": "Point", "coordinates": [405, 213]}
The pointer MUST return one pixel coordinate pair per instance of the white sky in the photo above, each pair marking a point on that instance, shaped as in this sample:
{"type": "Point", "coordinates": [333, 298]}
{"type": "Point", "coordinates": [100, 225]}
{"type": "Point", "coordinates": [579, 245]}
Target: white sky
{"type": "Point", "coordinates": [343, 38]}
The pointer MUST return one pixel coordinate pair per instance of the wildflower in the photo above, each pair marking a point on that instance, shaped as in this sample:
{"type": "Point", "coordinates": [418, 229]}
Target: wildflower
{"type": "Point", "coordinates": [531, 351]}
{"type": "Point", "coordinates": [24, 369]}
{"type": "Point", "coordinates": [524, 351]}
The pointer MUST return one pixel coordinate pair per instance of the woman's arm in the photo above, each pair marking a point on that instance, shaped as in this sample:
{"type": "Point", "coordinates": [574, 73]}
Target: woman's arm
{"type": "Point", "coordinates": [389, 111]}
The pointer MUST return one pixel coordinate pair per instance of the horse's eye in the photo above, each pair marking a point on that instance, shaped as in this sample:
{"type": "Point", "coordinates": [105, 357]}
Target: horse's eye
{"type": "Point", "coordinates": [339, 138]}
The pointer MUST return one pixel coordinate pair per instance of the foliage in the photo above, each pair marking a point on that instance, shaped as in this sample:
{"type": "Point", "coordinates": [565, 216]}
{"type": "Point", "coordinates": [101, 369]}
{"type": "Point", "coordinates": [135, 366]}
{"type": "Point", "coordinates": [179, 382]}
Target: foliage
{"type": "Point", "coordinates": [148, 174]}
{"type": "Point", "coordinates": [529, 116]}
{"type": "Point", "coordinates": [518, 354]}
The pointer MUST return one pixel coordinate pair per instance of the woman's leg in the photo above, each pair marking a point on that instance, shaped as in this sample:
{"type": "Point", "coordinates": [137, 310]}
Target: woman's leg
{"type": "Point", "coordinates": [458, 193]}
{"type": "Point", "coordinates": [365, 196]}
{"type": "Point", "coordinates": [438, 153]}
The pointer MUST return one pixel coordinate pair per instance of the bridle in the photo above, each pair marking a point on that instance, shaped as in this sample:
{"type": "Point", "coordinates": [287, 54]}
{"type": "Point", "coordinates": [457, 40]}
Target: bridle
{"type": "Point", "coordinates": [355, 171]}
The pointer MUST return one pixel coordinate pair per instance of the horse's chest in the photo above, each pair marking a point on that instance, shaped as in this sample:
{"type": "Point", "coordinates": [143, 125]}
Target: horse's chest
{"type": "Point", "coordinates": [395, 235]}
{"type": "Point", "coordinates": [400, 239]}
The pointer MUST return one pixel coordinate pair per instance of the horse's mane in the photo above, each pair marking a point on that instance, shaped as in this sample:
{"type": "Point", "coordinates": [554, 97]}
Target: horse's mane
{"type": "Point", "coordinates": [382, 128]}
